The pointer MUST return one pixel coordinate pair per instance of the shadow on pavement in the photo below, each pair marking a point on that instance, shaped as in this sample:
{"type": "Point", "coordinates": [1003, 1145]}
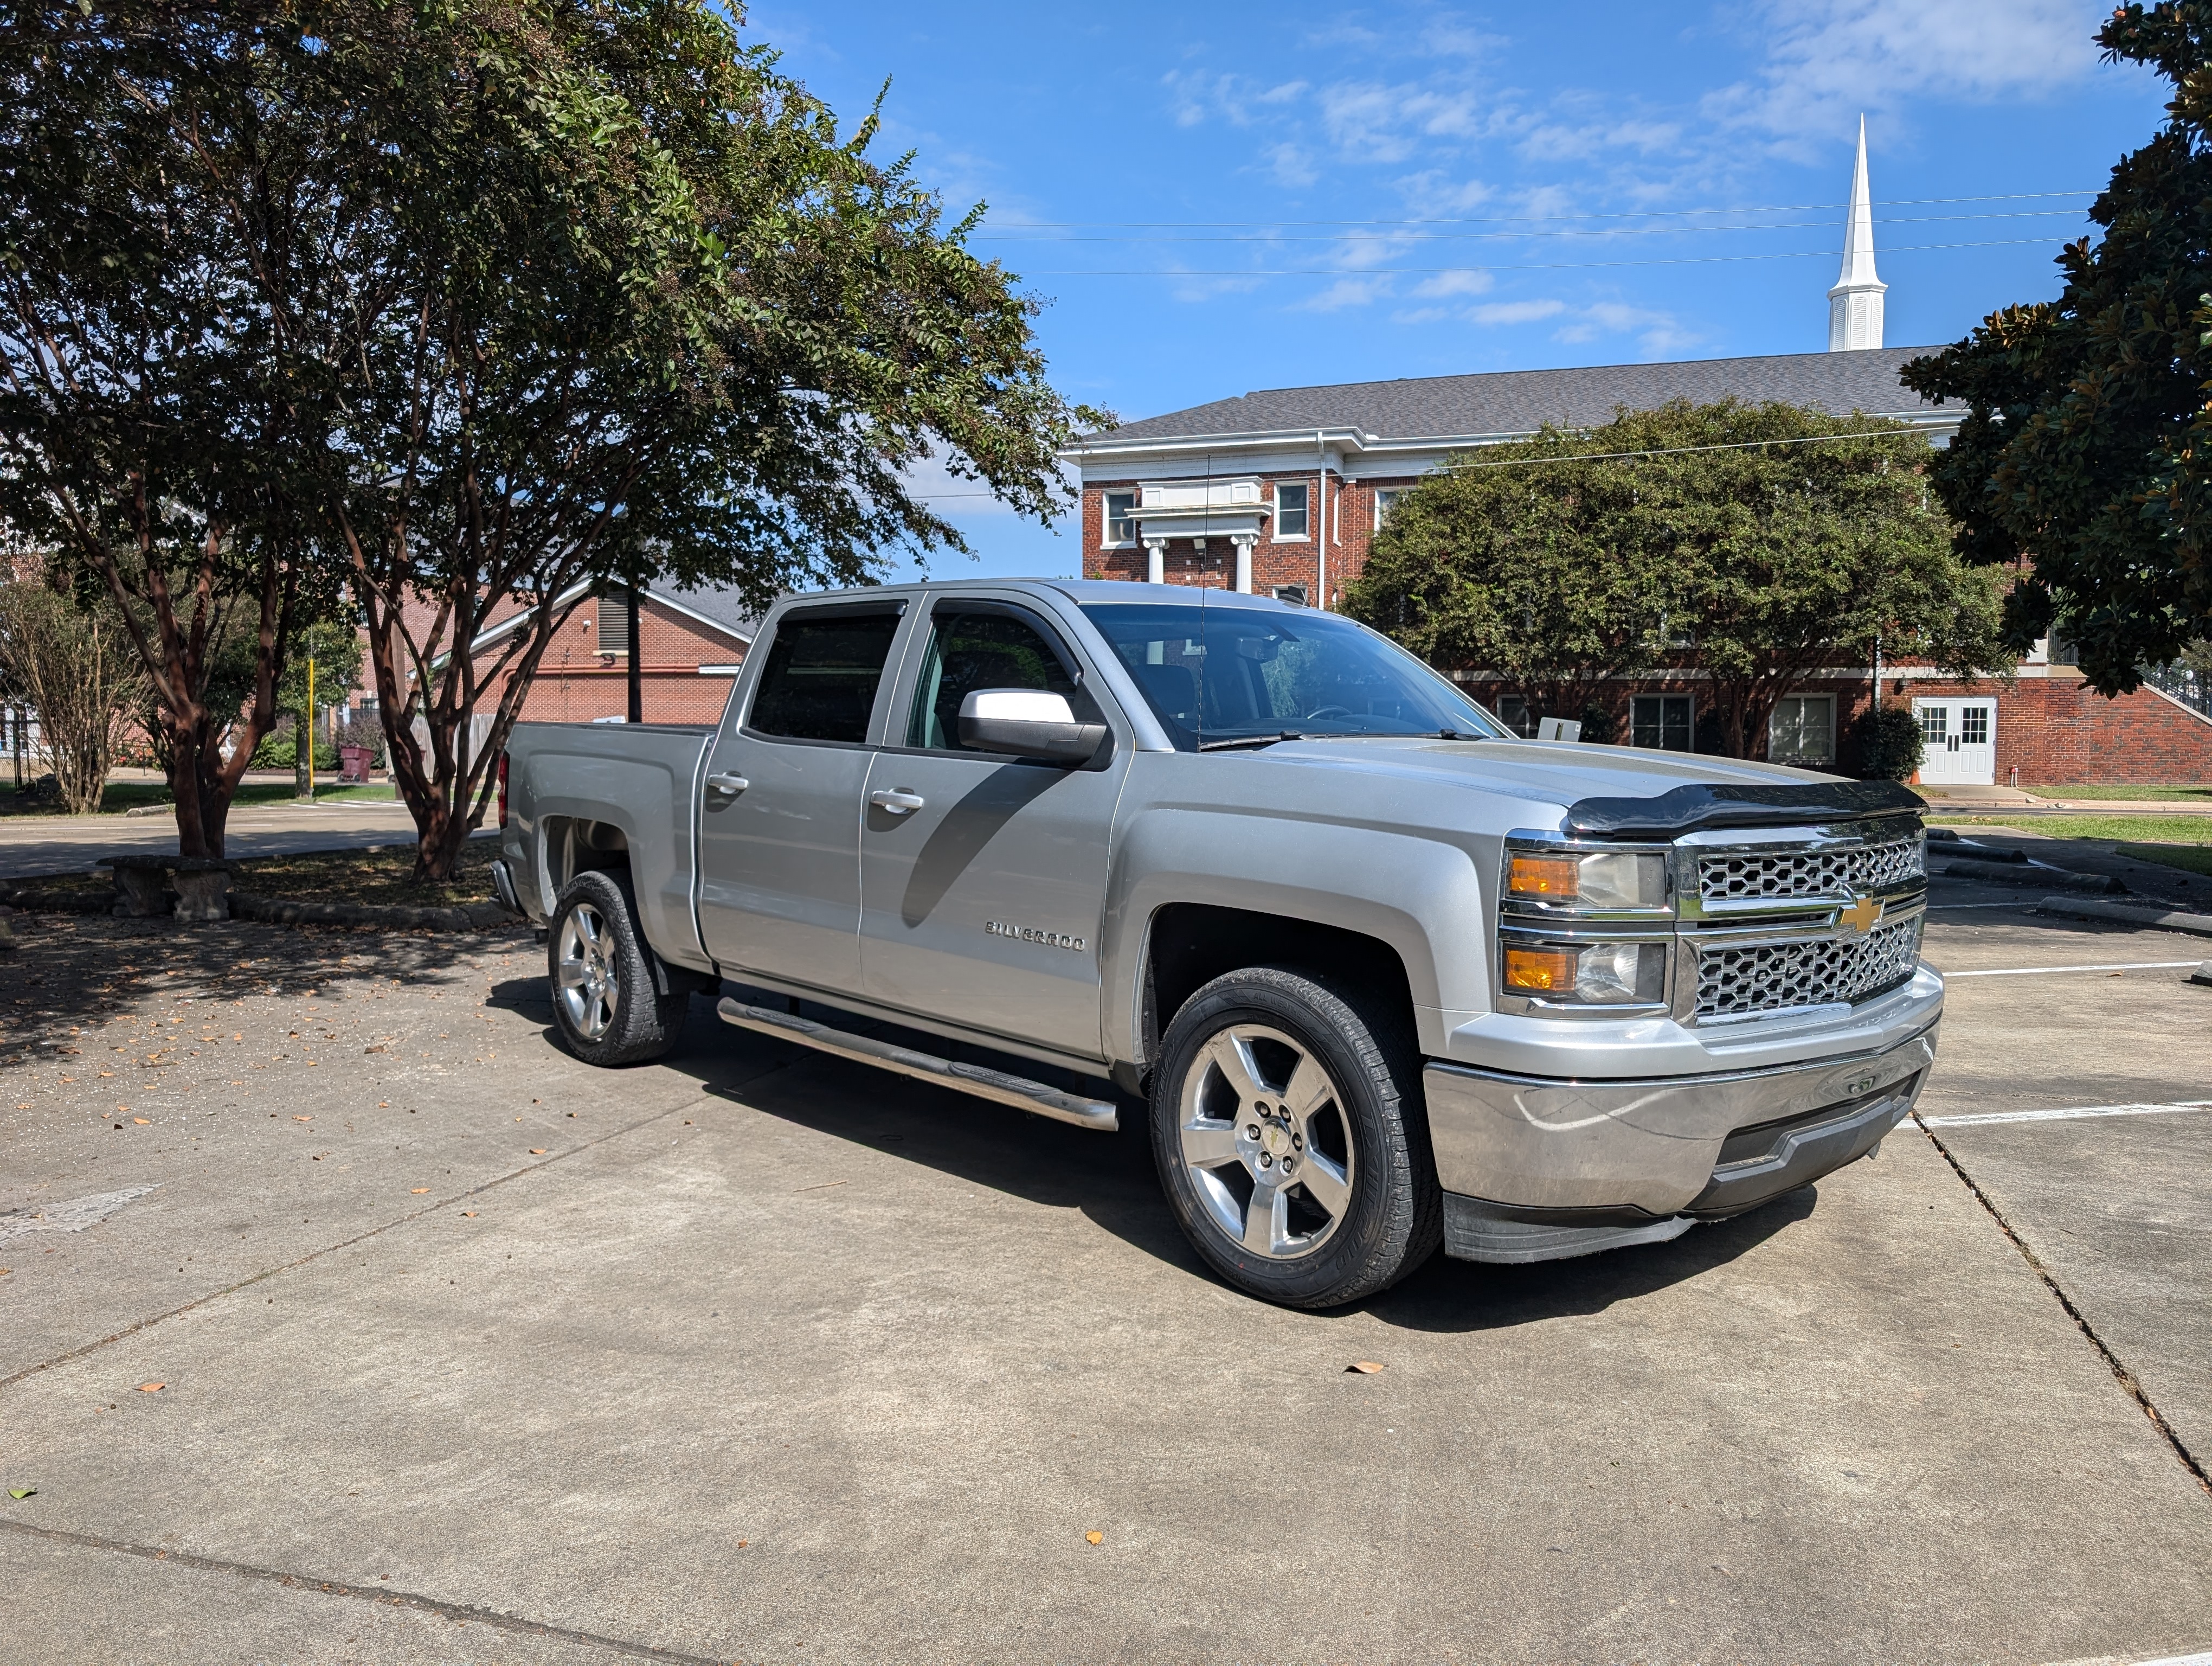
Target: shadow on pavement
{"type": "Point", "coordinates": [1111, 1179]}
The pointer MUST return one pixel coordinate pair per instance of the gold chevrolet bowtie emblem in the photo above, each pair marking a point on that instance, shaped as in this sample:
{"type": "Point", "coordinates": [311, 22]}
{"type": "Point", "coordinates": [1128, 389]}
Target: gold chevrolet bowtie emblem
{"type": "Point", "coordinates": [1863, 916]}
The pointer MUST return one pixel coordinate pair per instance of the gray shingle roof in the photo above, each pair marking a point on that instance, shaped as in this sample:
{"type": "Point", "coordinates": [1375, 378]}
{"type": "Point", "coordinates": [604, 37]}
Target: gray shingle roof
{"type": "Point", "coordinates": [1520, 401]}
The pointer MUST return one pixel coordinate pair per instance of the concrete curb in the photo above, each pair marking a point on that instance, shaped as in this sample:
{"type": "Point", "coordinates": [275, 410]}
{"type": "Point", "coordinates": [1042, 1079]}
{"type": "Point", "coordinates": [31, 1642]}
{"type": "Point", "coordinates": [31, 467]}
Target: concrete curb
{"type": "Point", "coordinates": [33, 900]}
{"type": "Point", "coordinates": [2198, 925]}
{"type": "Point", "coordinates": [280, 911]}
{"type": "Point", "coordinates": [2027, 874]}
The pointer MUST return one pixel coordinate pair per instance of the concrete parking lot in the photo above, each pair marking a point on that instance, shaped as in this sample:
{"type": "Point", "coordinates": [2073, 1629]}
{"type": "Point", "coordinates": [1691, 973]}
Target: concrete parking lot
{"type": "Point", "coordinates": [347, 1319]}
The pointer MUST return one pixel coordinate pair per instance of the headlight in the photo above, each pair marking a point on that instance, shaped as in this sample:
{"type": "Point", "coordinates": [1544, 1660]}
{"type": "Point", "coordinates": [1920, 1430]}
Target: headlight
{"type": "Point", "coordinates": [1561, 879]}
{"type": "Point", "coordinates": [1588, 974]}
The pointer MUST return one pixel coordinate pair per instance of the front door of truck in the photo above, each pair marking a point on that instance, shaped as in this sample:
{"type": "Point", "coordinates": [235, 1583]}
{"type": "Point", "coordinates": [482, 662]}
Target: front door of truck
{"type": "Point", "coordinates": [779, 814]}
{"type": "Point", "coordinates": [983, 878]}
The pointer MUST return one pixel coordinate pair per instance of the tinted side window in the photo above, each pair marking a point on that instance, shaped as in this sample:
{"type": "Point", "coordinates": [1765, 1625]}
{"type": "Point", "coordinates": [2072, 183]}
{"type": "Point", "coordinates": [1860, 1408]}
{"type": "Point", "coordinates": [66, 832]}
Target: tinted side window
{"type": "Point", "coordinates": [970, 651]}
{"type": "Point", "coordinates": [822, 674]}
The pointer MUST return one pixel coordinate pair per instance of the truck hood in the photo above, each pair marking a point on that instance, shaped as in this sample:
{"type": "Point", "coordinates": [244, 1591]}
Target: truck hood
{"type": "Point", "coordinates": [1599, 788]}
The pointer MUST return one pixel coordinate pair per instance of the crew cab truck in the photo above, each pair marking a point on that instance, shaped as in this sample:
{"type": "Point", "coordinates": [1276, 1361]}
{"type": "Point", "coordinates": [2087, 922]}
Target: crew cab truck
{"type": "Point", "coordinates": [1385, 975]}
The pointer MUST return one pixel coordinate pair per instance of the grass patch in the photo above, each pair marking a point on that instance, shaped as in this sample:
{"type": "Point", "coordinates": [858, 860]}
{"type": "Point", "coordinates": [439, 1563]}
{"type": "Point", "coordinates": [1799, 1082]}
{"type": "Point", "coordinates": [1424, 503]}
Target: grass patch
{"type": "Point", "coordinates": [2173, 794]}
{"type": "Point", "coordinates": [2118, 830]}
{"type": "Point", "coordinates": [125, 795]}
{"type": "Point", "coordinates": [382, 877]}
{"type": "Point", "coordinates": [2191, 858]}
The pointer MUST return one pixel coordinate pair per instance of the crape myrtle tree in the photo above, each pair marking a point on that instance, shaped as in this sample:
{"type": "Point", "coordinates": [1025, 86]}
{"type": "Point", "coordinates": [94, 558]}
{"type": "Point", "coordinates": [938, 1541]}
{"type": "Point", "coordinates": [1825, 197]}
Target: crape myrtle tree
{"type": "Point", "coordinates": [2086, 454]}
{"type": "Point", "coordinates": [632, 308]}
{"type": "Point", "coordinates": [1753, 544]}
{"type": "Point", "coordinates": [163, 219]}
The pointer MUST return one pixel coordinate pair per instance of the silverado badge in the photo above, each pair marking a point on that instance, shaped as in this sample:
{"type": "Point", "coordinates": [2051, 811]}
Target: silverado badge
{"type": "Point", "coordinates": [1864, 914]}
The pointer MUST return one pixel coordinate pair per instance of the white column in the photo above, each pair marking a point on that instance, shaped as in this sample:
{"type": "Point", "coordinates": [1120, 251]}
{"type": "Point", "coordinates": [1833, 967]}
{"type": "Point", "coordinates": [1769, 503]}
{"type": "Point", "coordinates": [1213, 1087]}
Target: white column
{"type": "Point", "coordinates": [1156, 561]}
{"type": "Point", "coordinates": [1244, 563]}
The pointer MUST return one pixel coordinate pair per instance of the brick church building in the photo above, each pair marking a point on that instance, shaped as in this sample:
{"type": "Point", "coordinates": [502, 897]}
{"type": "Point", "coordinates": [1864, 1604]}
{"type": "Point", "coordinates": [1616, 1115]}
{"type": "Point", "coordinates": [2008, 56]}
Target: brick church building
{"type": "Point", "coordinates": [1282, 492]}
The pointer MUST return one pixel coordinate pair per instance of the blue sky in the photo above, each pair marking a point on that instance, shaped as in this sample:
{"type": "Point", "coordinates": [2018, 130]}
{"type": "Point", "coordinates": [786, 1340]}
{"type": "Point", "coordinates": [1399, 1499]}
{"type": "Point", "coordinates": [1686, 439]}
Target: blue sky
{"type": "Point", "coordinates": [1221, 198]}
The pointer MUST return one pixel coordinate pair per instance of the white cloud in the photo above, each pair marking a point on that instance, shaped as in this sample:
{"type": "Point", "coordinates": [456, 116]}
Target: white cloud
{"type": "Point", "coordinates": [1372, 121]}
{"type": "Point", "coordinates": [1493, 312]}
{"type": "Point", "coordinates": [1468, 283]}
{"type": "Point", "coordinates": [1291, 164]}
{"type": "Point", "coordinates": [1345, 292]}
{"type": "Point", "coordinates": [1828, 59]}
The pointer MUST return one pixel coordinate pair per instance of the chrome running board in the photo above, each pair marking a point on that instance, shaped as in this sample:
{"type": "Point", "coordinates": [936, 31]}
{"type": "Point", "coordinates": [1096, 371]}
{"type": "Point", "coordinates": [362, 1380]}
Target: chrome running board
{"type": "Point", "coordinates": [1016, 1091]}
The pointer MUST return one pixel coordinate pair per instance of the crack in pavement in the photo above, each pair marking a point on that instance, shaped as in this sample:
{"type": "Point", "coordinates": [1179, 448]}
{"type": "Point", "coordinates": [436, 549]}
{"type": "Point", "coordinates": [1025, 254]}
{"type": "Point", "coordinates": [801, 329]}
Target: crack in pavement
{"type": "Point", "coordinates": [462, 1612]}
{"type": "Point", "coordinates": [2126, 1377]}
{"type": "Point", "coordinates": [133, 1328]}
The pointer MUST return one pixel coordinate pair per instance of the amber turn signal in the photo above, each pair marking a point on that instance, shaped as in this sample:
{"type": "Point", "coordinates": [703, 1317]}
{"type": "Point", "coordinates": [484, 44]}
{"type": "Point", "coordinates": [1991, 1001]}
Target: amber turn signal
{"type": "Point", "coordinates": [1540, 969]}
{"type": "Point", "coordinates": [1554, 877]}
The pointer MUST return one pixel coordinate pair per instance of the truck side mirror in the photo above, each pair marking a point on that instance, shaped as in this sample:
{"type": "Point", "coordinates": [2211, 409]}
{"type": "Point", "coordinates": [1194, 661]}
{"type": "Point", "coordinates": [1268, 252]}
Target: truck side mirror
{"type": "Point", "coordinates": [1028, 723]}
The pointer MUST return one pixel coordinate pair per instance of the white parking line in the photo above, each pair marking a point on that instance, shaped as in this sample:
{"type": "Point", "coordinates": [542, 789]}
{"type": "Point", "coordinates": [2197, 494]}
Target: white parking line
{"type": "Point", "coordinates": [2114, 966]}
{"type": "Point", "coordinates": [2074, 1113]}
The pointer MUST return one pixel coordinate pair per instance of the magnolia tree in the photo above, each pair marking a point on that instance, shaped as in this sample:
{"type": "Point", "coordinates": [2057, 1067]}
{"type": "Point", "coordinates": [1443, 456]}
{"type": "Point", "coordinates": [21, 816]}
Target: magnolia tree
{"type": "Point", "coordinates": [1751, 544]}
{"type": "Point", "coordinates": [2086, 454]}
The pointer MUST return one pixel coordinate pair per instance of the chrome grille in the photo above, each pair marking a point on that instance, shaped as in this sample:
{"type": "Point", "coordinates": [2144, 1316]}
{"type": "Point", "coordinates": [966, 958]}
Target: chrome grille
{"type": "Point", "coordinates": [1809, 973]}
{"type": "Point", "coordinates": [1779, 875]}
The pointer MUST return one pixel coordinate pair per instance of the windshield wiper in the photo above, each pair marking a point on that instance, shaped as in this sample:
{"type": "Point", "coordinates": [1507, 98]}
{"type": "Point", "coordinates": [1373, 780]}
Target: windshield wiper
{"type": "Point", "coordinates": [1459, 734]}
{"type": "Point", "coordinates": [1244, 740]}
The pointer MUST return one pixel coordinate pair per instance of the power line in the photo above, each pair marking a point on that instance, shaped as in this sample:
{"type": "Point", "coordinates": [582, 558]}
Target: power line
{"type": "Point", "coordinates": [1620, 231]}
{"type": "Point", "coordinates": [1677, 451]}
{"type": "Point", "coordinates": [1537, 266]}
{"type": "Point", "coordinates": [1511, 219]}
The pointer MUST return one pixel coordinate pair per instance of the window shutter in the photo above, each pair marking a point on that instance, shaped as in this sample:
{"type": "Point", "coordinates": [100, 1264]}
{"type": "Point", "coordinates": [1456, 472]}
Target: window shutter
{"type": "Point", "coordinates": [614, 624]}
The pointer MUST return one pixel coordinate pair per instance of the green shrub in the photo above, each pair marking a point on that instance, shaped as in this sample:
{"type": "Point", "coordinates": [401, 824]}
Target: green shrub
{"type": "Point", "coordinates": [1889, 744]}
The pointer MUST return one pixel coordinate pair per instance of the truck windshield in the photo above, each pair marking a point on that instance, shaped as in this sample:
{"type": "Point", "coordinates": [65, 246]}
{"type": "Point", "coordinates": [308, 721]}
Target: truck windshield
{"type": "Point", "coordinates": [1215, 675]}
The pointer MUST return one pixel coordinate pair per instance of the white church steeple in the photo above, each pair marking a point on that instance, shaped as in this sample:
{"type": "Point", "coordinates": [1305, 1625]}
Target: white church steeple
{"type": "Point", "coordinates": [1855, 304]}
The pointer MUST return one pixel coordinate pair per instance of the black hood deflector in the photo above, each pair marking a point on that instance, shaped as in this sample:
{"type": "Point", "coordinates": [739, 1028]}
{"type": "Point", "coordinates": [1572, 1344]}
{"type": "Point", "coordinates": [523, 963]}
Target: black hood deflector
{"type": "Point", "coordinates": [1691, 809]}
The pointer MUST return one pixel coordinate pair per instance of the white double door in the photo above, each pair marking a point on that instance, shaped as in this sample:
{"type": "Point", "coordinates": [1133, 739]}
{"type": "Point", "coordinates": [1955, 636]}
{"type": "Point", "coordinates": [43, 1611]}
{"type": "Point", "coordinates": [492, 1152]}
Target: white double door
{"type": "Point", "coordinates": [1960, 736]}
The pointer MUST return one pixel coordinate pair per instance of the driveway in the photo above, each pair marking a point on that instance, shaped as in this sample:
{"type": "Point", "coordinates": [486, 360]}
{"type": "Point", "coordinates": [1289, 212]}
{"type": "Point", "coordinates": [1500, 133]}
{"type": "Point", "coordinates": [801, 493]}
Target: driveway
{"type": "Point", "coordinates": [468, 1352]}
{"type": "Point", "coordinates": [38, 845]}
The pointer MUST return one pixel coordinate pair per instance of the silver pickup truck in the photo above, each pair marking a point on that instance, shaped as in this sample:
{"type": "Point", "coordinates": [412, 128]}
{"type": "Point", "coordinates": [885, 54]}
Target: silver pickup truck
{"type": "Point", "coordinates": [1383, 975]}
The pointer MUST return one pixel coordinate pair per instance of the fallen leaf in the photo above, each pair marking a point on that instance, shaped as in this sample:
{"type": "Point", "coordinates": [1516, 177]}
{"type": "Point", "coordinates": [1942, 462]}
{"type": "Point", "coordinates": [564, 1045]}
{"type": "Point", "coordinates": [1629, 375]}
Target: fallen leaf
{"type": "Point", "coordinates": [742, 1543]}
{"type": "Point", "coordinates": [378, 1048]}
{"type": "Point", "coordinates": [538, 1150]}
{"type": "Point", "coordinates": [303, 1119]}
{"type": "Point", "coordinates": [152, 1388]}
{"type": "Point", "coordinates": [1364, 1367]}
{"type": "Point", "coordinates": [469, 1213]}
{"type": "Point", "coordinates": [418, 1190]}
{"type": "Point", "coordinates": [142, 1121]}
{"type": "Point", "coordinates": [1095, 1538]}
{"type": "Point", "coordinates": [22, 1492]}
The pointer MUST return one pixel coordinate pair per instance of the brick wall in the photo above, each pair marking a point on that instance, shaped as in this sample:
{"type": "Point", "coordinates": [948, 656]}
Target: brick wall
{"type": "Point", "coordinates": [576, 684]}
{"type": "Point", "coordinates": [1351, 524]}
{"type": "Point", "coordinates": [2058, 730]}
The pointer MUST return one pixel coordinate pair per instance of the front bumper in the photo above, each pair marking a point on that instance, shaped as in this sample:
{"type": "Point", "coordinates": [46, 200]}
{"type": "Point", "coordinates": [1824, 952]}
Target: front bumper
{"type": "Point", "coordinates": [1590, 1160]}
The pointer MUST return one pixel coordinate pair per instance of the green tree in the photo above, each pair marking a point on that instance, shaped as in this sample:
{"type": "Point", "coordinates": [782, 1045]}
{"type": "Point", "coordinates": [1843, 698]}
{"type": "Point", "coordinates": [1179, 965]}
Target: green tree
{"type": "Point", "coordinates": [630, 305]}
{"type": "Point", "coordinates": [1753, 544]}
{"type": "Point", "coordinates": [75, 668]}
{"type": "Point", "coordinates": [158, 221]}
{"type": "Point", "coordinates": [2088, 437]}
{"type": "Point", "coordinates": [1530, 562]}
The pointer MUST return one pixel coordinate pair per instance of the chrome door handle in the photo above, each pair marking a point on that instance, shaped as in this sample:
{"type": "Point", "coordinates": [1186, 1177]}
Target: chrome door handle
{"type": "Point", "coordinates": [732, 785]}
{"type": "Point", "coordinates": [899, 800]}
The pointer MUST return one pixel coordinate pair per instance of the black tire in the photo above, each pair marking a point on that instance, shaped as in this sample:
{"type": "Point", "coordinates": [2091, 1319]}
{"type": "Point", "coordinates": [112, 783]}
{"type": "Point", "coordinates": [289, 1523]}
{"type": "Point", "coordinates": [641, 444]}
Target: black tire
{"type": "Point", "coordinates": [1364, 1208]}
{"type": "Point", "coordinates": [611, 1010]}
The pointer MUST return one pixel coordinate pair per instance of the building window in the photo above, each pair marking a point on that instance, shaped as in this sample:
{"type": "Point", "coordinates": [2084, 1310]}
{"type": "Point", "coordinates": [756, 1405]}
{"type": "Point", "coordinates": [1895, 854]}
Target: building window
{"type": "Point", "coordinates": [1663, 722]}
{"type": "Point", "coordinates": [1513, 712]}
{"type": "Point", "coordinates": [1291, 510]}
{"type": "Point", "coordinates": [1802, 729]}
{"type": "Point", "coordinates": [1934, 725]}
{"type": "Point", "coordinates": [614, 624]}
{"type": "Point", "coordinates": [1385, 501]}
{"type": "Point", "coordinates": [1973, 726]}
{"type": "Point", "coordinates": [1120, 518]}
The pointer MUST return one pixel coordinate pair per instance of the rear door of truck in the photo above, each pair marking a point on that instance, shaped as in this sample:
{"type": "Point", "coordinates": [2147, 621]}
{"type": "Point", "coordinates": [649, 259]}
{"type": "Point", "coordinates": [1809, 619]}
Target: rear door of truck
{"type": "Point", "coordinates": [780, 805]}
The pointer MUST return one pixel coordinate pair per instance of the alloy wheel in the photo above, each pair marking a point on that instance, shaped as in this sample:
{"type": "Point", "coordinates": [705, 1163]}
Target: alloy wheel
{"type": "Point", "coordinates": [1266, 1142]}
{"type": "Point", "coordinates": [585, 972]}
